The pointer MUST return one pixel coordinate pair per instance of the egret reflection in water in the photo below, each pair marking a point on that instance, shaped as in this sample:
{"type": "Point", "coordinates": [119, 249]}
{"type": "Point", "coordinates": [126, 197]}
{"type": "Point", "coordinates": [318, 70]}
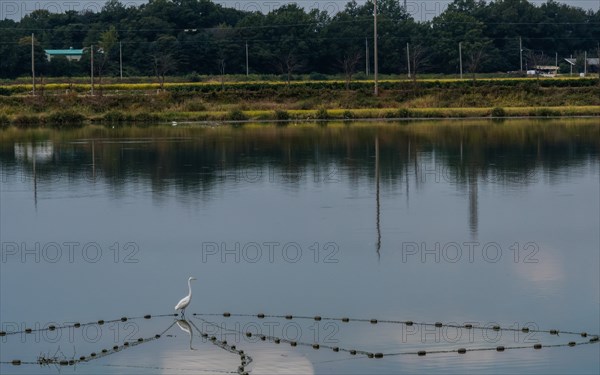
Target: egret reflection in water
{"type": "Point", "coordinates": [187, 328]}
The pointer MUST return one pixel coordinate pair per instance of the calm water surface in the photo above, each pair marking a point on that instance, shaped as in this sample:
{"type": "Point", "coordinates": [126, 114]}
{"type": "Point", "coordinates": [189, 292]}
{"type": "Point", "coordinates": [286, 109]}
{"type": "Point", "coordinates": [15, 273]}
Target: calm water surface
{"type": "Point", "coordinates": [476, 223]}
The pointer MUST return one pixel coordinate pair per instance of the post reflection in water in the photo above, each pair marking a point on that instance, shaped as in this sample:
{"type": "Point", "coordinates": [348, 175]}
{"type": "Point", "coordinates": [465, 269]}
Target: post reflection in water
{"type": "Point", "coordinates": [473, 219]}
{"type": "Point", "coordinates": [378, 215]}
{"type": "Point", "coordinates": [34, 183]}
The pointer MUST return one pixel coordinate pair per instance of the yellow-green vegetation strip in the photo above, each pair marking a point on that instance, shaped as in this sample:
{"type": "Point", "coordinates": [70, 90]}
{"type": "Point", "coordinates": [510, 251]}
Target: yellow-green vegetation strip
{"type": "Point", "coordinates": [84, 87]}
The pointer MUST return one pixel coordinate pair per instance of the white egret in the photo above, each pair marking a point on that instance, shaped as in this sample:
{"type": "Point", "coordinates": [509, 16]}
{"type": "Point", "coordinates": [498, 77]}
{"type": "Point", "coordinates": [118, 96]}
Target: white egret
{"type": "Point", "coordinates": [185, 301]}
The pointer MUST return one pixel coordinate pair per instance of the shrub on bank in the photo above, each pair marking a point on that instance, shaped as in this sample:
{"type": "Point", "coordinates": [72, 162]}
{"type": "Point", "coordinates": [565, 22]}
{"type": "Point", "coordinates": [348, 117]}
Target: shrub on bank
{"type": "Point", "coordinates": [236, 115]}
{"type": "Point", "coordinates": [64, 119]}
{"type": "Point", "coordinates": [282, 115]}
{"type": "Point", "coordinates": [545, 112]}
{"type": "Point", "coordinates": [322, 114]}
{"type": "Point", "coordinates": [26, 121]}
{"type": "Point", "coordinates": [4, 121]}
{"type": "Point", "coordinates": [404, 113]}
{"type": "Point", "coordinates": [314, 76]}
{"type": "Point", "coordinates": [498, 112]}
{"type": "Point", "coordinates": [195, 105]}
{"type": "Point", "coordinates": [146, 118]}
{"type": "Point", "coordinates": [114, 117]}
{"type": "Point", "coordinates": [400, 113]}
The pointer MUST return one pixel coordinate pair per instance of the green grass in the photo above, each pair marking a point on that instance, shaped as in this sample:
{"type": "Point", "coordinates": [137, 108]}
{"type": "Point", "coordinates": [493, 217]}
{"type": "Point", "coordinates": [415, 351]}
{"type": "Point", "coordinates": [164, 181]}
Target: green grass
{"type": "Point", "coordinates": [304, 101]}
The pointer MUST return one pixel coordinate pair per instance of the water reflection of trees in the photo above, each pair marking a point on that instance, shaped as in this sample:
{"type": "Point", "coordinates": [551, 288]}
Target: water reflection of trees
{"type": "Point", "coordinates": [199, 160]}
{"type": "Point", "coordinates": [195, 163]}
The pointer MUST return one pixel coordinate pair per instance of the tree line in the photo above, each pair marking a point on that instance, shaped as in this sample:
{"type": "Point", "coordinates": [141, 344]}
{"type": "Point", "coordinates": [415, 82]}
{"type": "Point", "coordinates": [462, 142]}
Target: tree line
{"type": "Point", "coordinates": [192, 37]}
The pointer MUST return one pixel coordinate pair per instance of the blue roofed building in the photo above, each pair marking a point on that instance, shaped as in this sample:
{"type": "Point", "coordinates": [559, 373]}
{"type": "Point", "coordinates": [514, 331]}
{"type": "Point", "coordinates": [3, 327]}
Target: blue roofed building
{"type": "Point", "coordinates": [71, 54]}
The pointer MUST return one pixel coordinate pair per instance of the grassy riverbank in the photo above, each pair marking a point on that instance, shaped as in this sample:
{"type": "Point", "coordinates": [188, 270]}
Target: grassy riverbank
{"type": "Point", "coordinates": [143, 103]}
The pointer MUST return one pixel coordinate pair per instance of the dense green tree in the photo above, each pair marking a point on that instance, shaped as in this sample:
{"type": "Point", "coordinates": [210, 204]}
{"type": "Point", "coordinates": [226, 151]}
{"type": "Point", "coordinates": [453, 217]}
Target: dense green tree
{"type": "Point", "coordinates": [164, 57]}
{"type": "Point", "coordinates": [16, 58]}
{"type": "Point", "coordinates": [106, 49]}
{"type": "Point", "coordinates": [450, 29]}
{"type": "Point", "coordinates": [185, 36]}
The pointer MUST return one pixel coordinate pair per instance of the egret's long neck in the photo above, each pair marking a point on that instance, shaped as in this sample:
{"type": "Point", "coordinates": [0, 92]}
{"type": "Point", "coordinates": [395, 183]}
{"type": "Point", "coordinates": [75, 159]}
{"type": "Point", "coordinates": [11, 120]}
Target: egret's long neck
{"type": "Point", "coordinates": [190, 287]}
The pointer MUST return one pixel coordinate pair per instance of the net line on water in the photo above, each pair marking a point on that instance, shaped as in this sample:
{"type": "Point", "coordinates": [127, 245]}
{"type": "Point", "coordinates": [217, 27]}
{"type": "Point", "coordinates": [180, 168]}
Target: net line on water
{"type": "Point", "coordinates": [63, 361]}
{"type": "Point", "coordinates": [170, 369]}
{"type": "Point", "coordinates": [245, 359]}
{"type": "Point", "coordinates": [369, 354]}
{"type": "Point", "coordinates": [404, 322]}
{"type": "Point", "coordinates": [51, 327]}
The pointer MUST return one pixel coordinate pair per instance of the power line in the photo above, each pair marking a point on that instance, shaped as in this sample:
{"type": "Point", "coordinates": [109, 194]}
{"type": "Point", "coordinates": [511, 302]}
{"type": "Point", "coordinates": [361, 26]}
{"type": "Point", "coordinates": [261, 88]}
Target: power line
{"type": "Point", "coordinates": [239, 40]}
{"type": "Point", "coordinates": [332, 22]}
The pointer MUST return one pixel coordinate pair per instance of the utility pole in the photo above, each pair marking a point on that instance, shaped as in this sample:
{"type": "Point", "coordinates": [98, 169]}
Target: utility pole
{"type": "Point", "coordinates": [32, 64]}
{"type": "Point", "coordinates": [520, 55]}
{"type": "Point", "coordinates": [121, 59]}
{"type": "Point", "coordinates": [92, 67]}
{"type": "Point", "coordinates": [408, 58]}
{"type": "Point", "coordinates": [555, 58]}
{"type": "Point", "coordinates": [460, 58]}
{"type": "Point", "coordinates": [585, 63]}
{"type": "Point", "coordinates": [376, 70]}
{"type": "Point", "coordinates": [571, 64]}
{"type": "Point", "coordinates": [367, 58]}
{"type": "Point", "coordinates": [247, 69]}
